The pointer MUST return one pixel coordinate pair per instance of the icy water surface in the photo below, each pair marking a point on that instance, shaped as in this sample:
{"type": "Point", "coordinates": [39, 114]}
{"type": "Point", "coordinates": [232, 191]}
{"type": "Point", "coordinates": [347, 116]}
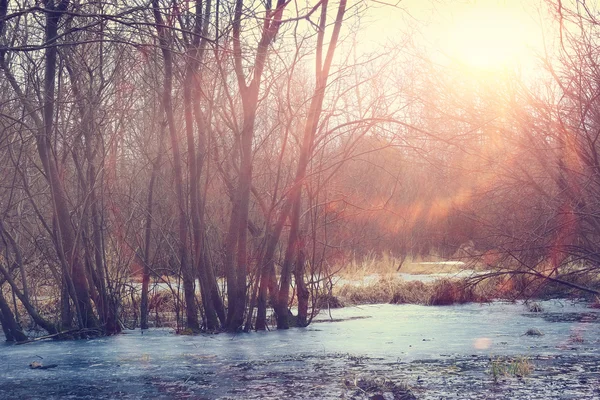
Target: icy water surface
{"type": "Point", "coordinates": [438, 352]}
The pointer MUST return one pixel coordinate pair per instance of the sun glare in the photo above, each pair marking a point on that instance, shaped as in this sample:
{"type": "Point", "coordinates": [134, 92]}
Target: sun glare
{"type": "Point", "coordinates": [489, 37]}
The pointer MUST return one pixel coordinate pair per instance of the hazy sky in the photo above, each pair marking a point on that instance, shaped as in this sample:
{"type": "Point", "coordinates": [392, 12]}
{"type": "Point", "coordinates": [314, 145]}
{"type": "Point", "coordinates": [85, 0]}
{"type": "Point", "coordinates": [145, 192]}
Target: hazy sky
{"type": "Point", "coordinates": [482, 33]}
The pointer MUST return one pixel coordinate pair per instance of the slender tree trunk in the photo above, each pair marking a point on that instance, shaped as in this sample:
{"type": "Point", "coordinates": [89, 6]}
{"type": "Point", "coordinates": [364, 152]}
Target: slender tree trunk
{"type": "Point", "coordinates": [243, 198]}
{"type": "Point", "coordinates": [12, 330]}
{"type": "Point", "coordinates": [212, 322]}
{"type": "Point", "coordinates": [295, 197]}
{"type": "Point", "coordinates": [281, 309]}
{"type": "Point", "coordinates": [21, 294]}
{"type": "Point", "coordinates": [230, 249]}
{"type": "Point", "coordinates": [268, 279]}
{"type": "Point", "coordinates": [261, 303]}
{"type": "Point", "coordinates": [148, 236]}
{"type": "Point", "coordinates": [302, 291]}
{"type": "Point", "coordinates": [59, 198]}
{"type": "Point", "coordinates": [104, 303]}
{"type": "Point", "coordinates": [187, 271]}
{"type": "Point", "coordinates": [249, 93]}
{"type": "Point", "coordinates": [268, 284]}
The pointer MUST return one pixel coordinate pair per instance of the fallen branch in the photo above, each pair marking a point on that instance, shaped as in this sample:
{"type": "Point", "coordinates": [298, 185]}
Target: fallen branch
{"type": "Point", "coordinates": [37, 339]}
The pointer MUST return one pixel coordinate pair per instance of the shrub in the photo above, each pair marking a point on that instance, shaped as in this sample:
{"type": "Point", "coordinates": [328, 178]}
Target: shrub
{"type": "Point", "coordinates": [447, 292]}
{"type": "Point", "coordinates": [415, 292]}
{"type": "Point", "coordinates": [381, 291]}
{"type": "Point", "coordinates": [327, 300]}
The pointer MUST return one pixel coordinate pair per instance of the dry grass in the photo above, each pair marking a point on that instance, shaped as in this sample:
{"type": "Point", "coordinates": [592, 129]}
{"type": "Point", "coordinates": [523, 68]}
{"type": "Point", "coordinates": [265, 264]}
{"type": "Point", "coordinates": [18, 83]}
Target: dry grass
{"type": "Point", "coordinates": [389, 287]}
{"type": "Point", "coordinates": [380, 291]}
{"type": "Point", "coordinates": [374, 279]}
{"type": "Point", "coordinates": [377, 387]}
{"type": "Point", "coordinates": [387, 264]}
{"type": "Point", "coordinates": [447, 292]}
{"type": "Point", "coordinates": [398, 291]}
{"type": "Point", "coordinates": [510, 367]}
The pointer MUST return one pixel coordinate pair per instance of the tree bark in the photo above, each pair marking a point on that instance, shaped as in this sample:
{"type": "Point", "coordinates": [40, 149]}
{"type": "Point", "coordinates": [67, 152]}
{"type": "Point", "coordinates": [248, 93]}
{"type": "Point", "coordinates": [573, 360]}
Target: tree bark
{"type": "Point", "coordinates": [66, 232]}
{"type": "Point", "coordinates": [310, 128]}
{"type": "Point", "coordinates": [249, 93]}
{"type": "Point", "coordinates": [187, 271]}
{"type": "Point", "coordinates": [106, 307]}
{"type": "Point", "coordinates": [148, 233]}
{"type": "Point", "coordinates": [12, 330]}
{"type": "Point", "coordinates": [193, 59]}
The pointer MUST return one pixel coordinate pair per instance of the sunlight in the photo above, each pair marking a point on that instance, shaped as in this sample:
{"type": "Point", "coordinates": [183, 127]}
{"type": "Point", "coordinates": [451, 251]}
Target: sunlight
{"type": "Point", "coordinates": [489, 37]}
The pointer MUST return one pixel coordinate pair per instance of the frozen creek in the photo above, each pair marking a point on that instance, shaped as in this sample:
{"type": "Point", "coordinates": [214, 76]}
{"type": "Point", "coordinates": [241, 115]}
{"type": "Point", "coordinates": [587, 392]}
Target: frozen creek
{"type": "Point", "coordinates": [438, 352]}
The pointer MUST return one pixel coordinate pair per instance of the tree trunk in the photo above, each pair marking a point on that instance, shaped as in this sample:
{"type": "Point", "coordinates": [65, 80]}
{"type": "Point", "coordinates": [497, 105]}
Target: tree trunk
{"type": "Point", "coordinates": [302, 291]}
{"type": "Point", "coordinates": [66, 233]}
{"type": "Point", "coordinates": [281, 308]}
{"type": "Point", "coordinates": [187, 271]}
{"type": "Point", "coordinates": [23, 297]}
{"type": "Point", "coordinates": [243, 198]}
{"type": "Point", "coordinates": [147, 237]}
{"type": "Point", "coordinates": [230, 273]}
{"type": "Point", "coordinates": [12, 330]}
{"type": "Point", "coordinates": [310, 128]}
{"type": "Point", "coordinates": [106, 309]}
{"type": "Point", "coordinates": [194, 170]}
{"type": "Point", "coordinates": [249, 93]}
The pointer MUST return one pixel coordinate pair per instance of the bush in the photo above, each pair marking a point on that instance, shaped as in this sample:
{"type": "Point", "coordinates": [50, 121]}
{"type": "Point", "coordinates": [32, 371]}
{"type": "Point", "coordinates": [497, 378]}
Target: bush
{"type": "Point", "coordinates": [328, 300]}
{"type": "Point", "coordinates": [447, 292]}
{"type": "Point", "coordinates": [415, 292]}
{"type": "Point", "coordinates": [381, 291]}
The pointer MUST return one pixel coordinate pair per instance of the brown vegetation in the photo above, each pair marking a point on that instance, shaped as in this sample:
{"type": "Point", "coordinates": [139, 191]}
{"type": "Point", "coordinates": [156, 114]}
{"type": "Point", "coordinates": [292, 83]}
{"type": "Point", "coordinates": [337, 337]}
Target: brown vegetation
{"type": "Point", "coordinates": [397, 291]}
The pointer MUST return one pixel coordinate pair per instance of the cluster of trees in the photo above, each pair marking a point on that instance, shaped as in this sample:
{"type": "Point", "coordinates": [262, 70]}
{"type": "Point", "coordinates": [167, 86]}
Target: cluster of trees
{"type": "Point", "coordinates": [550, 170]}
{"type": "Point", "coordinates": [177, 138]}
{"type": "Point", "coordinates": [244, 147]}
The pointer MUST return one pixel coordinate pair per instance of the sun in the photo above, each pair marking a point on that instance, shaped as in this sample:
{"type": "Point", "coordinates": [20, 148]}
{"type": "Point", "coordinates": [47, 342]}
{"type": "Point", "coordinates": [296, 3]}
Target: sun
{"type": "Point", "coordinates": [489, 37]}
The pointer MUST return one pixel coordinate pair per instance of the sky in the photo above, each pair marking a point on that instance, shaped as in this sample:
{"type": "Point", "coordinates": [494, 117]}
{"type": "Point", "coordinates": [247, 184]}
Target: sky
{"type": "Point", "coordinates": [484, 34]}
